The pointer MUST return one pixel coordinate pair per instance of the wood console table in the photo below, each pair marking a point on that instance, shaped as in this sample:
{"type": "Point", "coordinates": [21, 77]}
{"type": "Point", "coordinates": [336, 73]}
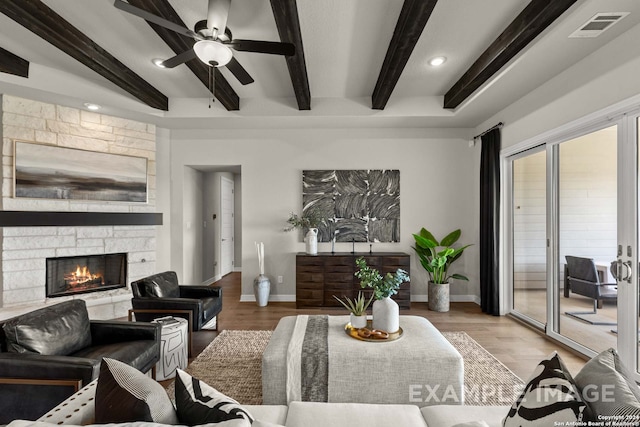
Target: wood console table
{"type": "Point", "coordinates": [319, 277]}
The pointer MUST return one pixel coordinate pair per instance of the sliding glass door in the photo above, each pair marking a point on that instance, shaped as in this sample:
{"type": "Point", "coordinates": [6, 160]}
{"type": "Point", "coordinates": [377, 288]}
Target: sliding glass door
{"type": "Point", "coordinates": [587, 227]}
{"type": "Point", "coordinates": [529, 207]}
{"type": "Point", "coordinates": [572, 212]}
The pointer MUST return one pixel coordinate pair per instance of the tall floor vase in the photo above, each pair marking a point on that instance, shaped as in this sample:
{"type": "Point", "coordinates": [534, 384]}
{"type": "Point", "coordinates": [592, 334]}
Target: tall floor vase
{"type": "Point", "coordinates": [386, 315]}
{"type": "Point", "coordinates": [261, 290]}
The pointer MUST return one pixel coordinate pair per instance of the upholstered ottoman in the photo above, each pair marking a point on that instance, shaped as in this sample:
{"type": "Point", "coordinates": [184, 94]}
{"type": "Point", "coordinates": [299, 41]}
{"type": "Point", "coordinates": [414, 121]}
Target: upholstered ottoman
{"type": "Point", "coordinates": [421, 368]}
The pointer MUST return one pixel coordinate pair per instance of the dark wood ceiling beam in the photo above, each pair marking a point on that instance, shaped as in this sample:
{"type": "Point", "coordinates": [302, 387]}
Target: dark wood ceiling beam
{"type": "Point", "coordinates": [532, 21]}
{"type": "Point", "coordinates": [412, 20]}
{"type": "Point", "coordinates": [44, 22]}
{"type": "Point", "coordinates": [11, 63]}
{"type": "Point", "coordinates": [179, 43]}
{"type": "Point", "coordinates": [285, 13]}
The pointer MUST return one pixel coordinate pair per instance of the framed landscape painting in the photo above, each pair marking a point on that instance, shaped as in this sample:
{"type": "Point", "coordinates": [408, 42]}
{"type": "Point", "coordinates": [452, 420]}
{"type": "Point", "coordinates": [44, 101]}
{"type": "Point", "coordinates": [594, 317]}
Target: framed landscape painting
{"type": "Point", "coordinates": [52, 172]}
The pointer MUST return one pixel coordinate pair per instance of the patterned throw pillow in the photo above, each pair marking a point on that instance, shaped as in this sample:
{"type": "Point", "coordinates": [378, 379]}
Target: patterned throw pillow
{"type": "Point", "coordinates": [199, 403]}
{"type": "Point", "coordinates": [125, 394]}
{"type": "Point", "coordinates": [550, 395]}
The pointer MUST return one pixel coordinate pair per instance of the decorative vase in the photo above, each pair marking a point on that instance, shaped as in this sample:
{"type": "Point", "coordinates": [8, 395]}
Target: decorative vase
{"type": "Point", "coordinates": [311, 239]}
{"type": "Point", "coordinates": [358, 321]}
{"type": "Point", "coordinates": [438, 296]}
{"type": "Point", "coordinates": [386, 315]}
{"type": "Point", "coordinates": [261, 290]}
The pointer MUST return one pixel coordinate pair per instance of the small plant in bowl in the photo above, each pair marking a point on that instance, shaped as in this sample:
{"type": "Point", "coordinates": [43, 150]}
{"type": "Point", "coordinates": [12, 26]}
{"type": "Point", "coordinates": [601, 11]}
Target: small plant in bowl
{"type": "Point", "coordinates": [358, 309]}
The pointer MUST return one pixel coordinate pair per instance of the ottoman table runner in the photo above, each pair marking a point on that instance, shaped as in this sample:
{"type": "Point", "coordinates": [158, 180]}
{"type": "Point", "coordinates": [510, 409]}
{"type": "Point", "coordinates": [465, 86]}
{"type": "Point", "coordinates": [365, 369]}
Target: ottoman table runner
{"type": "Point", "coordinates": [421, 368]}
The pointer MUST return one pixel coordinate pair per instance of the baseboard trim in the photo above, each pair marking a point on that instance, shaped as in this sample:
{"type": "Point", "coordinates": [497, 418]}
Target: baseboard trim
{"type": "Point", "coordinates": [272, 298]}
{"type": "Point", "coordinates": [452, 298]}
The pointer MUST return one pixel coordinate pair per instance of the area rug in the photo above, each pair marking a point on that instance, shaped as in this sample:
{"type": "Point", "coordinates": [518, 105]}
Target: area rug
{"type": "Point", "coordinates": [232, 363]}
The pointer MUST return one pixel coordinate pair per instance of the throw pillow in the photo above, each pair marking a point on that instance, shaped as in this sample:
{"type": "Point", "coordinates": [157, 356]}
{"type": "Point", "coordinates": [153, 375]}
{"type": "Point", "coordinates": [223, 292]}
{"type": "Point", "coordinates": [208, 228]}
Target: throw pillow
{"type": "Point", "coordinates": [125, 394]}
{"type": "Point", "coordinates": [549, 396]}
{"type": "Point", "coordinates": [199, 403]}
{"type": "Point", "coordinates": [57, 330]}
{"type": "Point", "coordinates": [608, 386]}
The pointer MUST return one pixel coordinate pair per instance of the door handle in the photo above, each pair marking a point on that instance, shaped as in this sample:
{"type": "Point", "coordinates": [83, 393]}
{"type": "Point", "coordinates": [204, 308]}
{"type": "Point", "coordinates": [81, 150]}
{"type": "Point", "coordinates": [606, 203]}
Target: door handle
{"type": "Point", "coordinates": [627, 278]}
{"type": "Point", "coordinates": [616, 270]}
{"type": "Point", "coordinates": [224, 240]}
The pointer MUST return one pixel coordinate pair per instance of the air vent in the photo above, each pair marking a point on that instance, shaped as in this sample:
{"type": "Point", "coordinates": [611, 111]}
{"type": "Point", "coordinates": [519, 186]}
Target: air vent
{"type": "Point", "coordinates": [598, 24]}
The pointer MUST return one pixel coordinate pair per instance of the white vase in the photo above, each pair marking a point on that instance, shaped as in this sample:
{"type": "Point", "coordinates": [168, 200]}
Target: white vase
{"type": "Point", "coordinates": [262, 289]}
{"type": "Point", "coordinates": [311, 239]}
{"type": "Point", "coordinates": [386, 315]}
{"type": "Point", "coordinates": [358, 321]}
{"type": "Point", "coordinates": [438, 296]}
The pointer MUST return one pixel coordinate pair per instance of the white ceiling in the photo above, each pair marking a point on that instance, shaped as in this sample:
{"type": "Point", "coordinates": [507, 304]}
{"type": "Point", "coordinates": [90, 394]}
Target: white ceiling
{"type": "Point", "coordinates": [345, 42]}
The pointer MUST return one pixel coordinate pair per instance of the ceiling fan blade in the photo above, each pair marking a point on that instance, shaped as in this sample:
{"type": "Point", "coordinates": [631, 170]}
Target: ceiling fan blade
{"type": "Point", "coordinates": [239, 72]}
{"type": "Point", "coordinates": [273, 48]}
{"type": "Point", "coordinates": [141, 13]}
{"type": "Point", "coordinates": [217, 15]}
{"type": "Point", "coordinates": [180, 58]}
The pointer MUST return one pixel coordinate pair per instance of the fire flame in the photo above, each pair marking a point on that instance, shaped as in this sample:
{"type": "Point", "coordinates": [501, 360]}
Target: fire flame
{"type": "Point", "coordinates": [80, 276]}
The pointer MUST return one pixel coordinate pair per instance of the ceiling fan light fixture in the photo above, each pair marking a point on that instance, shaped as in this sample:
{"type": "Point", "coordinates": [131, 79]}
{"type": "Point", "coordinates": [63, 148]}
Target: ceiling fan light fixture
{"type": "Point", "coordinates": [437, 61]}
{"type": "Point", "coordinates": [210, 51]}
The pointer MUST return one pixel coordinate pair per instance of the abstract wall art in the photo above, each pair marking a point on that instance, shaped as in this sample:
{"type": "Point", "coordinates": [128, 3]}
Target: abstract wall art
{"type": "Point", "coordinates": [357, 205]}
{"type": "Point", "coordinates": [53, 172]}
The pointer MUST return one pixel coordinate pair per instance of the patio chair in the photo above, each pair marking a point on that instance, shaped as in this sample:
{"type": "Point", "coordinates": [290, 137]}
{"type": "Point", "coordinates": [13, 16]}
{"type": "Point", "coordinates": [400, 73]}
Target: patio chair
{"type": "Point", "coordinates": [582, 278]}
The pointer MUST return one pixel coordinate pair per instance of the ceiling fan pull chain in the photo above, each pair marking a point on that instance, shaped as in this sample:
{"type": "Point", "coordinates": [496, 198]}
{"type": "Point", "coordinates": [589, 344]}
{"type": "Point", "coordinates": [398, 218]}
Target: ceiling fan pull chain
{"type": "Point", "coordinates": [212, 81]}
{"type": "Point", "coordinates": [211, 84]}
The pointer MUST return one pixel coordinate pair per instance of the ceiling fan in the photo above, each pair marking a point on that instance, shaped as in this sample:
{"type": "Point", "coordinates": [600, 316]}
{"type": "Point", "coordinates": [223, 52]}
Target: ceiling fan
{"type": "Point", "coordinates": [213, 40]}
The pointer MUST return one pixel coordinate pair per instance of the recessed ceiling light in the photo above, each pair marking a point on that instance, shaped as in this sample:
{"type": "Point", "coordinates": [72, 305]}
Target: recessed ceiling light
{"type": "Point", "coordinates": [92, 107]}
{"type": "Point", "coordinates": [158, 62]}
{"type": "Point", "coordinates": [437, 61]}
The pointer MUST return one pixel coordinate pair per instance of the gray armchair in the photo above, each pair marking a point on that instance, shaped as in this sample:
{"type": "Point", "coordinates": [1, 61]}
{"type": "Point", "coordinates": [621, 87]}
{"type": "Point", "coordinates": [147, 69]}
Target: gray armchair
{"type": "Point", "coordinates": [582, 278]}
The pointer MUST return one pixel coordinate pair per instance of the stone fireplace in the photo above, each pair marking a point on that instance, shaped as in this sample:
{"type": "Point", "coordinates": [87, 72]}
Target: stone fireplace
{"type": "Point", "coordinates": [82, 274]}
{"type": "Point", "coordinates": [26, 250]}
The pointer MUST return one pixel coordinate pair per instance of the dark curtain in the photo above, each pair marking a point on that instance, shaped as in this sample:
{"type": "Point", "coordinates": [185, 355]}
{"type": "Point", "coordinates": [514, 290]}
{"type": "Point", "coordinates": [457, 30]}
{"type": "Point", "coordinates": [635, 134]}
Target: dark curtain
{"type": "Point", "coordinates": [490, 222]}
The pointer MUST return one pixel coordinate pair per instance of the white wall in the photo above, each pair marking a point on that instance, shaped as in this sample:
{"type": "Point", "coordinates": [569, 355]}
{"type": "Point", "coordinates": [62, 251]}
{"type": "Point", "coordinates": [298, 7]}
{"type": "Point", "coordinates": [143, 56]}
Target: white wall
{"type": "Point", "coordinates": [439, 190]}
{"type": "Point", "coordinates": [191, 224]}
{"type": "Point", "coordinates": [210, 206]}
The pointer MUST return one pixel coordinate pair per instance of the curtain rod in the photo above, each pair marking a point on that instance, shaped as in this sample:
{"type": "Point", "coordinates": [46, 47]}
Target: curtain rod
{"type": "Point", "coordinates": [499, 125]}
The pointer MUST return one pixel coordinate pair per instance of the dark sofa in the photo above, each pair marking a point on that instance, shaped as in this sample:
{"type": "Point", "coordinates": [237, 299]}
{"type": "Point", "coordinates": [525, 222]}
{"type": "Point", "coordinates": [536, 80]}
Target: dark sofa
{"type": "Point", "coordinates": [46, 354]}
{"type": "Point", "coordinates": [160, 294]}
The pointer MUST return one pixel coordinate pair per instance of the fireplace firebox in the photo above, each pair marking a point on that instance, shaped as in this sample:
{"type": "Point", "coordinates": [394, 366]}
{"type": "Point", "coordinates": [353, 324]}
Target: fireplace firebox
{"type": "Point", "coordinates": [88, 273]}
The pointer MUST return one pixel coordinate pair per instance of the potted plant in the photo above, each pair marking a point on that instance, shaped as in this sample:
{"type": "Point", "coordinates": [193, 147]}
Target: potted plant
{"type": "Point", "coordinates": [308, 222]}
{"type": "Point", "coordinates": [357, 309]}
{"type": "Point", "coordinates": [436, 257]}
{"type": "Point", "coordinates": [386, 313]}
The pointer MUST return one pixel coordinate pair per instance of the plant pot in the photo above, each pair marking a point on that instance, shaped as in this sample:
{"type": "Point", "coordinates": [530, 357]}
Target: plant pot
{"type": "Point", "coordinates": [438, 296]}
{"type": "Point", "coordinates": [386, 315]}
{"type": "Point", "coordinates": [261, 290]}
{"type": "Point", "coordinates": [358, 321]}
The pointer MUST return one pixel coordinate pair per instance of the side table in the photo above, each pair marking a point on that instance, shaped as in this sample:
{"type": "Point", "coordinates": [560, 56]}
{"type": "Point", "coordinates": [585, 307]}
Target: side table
{"type": "Point", "coordinates": [173, 347]}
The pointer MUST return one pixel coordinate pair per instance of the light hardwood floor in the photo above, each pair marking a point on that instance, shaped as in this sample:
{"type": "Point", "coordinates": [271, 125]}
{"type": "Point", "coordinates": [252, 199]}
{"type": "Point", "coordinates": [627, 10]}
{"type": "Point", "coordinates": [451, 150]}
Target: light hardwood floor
{"type": "Point", "coordinates": [518, 347]}
{"type": "Point", "coordinates": [533, 303]}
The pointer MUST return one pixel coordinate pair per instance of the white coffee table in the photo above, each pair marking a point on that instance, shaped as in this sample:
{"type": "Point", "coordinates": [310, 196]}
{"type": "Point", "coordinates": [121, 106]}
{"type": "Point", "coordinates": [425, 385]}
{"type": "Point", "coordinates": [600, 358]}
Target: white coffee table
{"type": "Point", "coordinates": [421, 368]}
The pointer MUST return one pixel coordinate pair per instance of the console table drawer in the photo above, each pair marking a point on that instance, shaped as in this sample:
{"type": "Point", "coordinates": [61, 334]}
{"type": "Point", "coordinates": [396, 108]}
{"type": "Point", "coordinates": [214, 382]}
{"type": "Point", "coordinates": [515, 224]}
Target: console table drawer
{"type": "Point", "coordinates": [319, 277]}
